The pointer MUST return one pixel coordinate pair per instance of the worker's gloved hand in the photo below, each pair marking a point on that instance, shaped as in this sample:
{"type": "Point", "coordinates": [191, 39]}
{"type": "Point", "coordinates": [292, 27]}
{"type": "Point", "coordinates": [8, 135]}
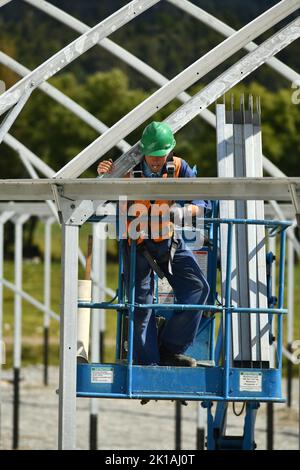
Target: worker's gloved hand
{"type": "Point", "coordinates": [106, 166]}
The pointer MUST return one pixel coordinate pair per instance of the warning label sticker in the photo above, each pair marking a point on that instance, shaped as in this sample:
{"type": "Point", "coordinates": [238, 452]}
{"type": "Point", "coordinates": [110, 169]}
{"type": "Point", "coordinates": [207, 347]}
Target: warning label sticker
{"type": "Point", "coordinates": [102, 375]}
{"type": "Point", "coordinates": [250, 381]}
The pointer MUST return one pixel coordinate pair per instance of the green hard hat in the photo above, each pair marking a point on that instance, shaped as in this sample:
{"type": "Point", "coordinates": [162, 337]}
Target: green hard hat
{"type": "Point", "coordinates": [157, 140]}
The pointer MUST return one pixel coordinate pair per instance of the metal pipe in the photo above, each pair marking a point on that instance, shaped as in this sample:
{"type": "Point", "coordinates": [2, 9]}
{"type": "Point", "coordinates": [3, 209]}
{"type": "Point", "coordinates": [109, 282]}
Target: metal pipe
{"type": "Point", "coordinates": [211, 308]}
{"type": "Point", "coordinates": [290, 317]}
{"type": "Point", "coordinates": [13, 114]}
{"type": "Point", "coordinates": [68, 339]}
{"type": "Point", "coordinates": [120, 300]}
{"type": "Point", "coordinates": [95, 347]}
{"type": "Point", "coordinates": [17, 326]}
{"type": "Point", "coordinates": [47, 293]}
{"type": "Point", "coordinates": [227, 339]}
{"type": "Point", "coordinates": [161, 396]}
{"type": "Point", "coordinates": [4, 217]}
{"type": "Point", "coordinates": [280, 297]}
{"type": "Point", "coordinates": [131, 314]}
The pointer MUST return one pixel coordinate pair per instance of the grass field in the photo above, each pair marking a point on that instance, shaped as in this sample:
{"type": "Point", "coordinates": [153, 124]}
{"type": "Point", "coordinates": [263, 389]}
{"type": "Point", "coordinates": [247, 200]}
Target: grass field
{"type": "Point", "coordinates": [32, 325]}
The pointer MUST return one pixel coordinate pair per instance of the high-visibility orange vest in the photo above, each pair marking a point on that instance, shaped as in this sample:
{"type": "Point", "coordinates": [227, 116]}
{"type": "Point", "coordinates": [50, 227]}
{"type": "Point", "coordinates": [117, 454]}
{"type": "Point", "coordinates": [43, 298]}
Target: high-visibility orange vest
{"type": "Point", "coordinates": [159, 228]}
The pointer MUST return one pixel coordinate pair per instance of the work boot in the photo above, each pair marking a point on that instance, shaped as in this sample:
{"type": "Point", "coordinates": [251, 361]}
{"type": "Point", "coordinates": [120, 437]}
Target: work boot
{"type": "Point", "coordinates": [168, 358]}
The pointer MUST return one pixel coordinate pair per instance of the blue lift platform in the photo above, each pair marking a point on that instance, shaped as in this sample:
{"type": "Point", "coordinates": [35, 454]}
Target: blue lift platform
{"type": "Point", "coordinates": [221, 382]}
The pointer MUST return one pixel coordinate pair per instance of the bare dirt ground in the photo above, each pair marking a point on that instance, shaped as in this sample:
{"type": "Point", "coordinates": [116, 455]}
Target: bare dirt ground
{"type": "Point", "coordinates": [123, 424]}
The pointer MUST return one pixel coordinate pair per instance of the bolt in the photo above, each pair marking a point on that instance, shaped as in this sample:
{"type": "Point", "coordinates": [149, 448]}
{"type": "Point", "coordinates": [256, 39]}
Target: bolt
{"type": "Point", "coordinates": [72, 206]}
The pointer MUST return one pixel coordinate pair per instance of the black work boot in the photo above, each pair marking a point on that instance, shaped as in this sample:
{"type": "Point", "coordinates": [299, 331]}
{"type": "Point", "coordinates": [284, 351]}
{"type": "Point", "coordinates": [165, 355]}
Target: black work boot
{"type": "Point", "coordinates": [168, 358]}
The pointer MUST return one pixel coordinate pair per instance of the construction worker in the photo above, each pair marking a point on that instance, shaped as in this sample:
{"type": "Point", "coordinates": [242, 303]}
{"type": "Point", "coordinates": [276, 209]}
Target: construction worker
{"type": "Point", "coordinates": [160, 251]}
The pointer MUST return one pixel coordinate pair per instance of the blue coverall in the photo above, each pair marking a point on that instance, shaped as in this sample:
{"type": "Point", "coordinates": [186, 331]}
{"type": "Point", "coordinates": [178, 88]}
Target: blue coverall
{"type": "Point", "coordinates": [189, 286]}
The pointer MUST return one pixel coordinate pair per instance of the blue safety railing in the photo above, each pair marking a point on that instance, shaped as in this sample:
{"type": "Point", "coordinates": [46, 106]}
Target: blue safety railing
{"type": "Point", "coordinates": [220, 383]}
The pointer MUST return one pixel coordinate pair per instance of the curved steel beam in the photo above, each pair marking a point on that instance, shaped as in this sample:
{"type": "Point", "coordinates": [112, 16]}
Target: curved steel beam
{"type": "Point", "coordinates": [113, 48]}
{"type": "Point", "coordinates": [4, 2]}
{"type": "Point", "coordinates": [72, 51]}
{"type": "Point", "coordinates": [63, 99]}
{"type": "Point", "coordinates": [225, 30]}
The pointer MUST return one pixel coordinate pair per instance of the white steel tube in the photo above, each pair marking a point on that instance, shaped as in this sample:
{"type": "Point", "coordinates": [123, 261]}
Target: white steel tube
{"type": "Point", "coordinates": [97, 296]}
{"type": "Point", "coordinates": [47, 269]}
{"type": "Point", "coordinates": [290, 292]}
{"type": "Point", "coordinates": [68, 339]}
{"type": "Point", "coordinates": [4, 217]}
{"type": "Point", "coordinates": [4, 2]}
{"type": "Point", "coordinates": [18, 283]}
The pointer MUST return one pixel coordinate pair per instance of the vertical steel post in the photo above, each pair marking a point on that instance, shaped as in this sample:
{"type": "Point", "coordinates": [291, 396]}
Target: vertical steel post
{"type": "Point", "coordinates": [1, 299]}
{"type": "Point", "coordinates": [102, 274]}
{"type": "Point", "coordinates": [17, 326]}
{"type": "Point", "coordinates": [98, 295]}
{"type": "Point", "coordinates": [47, 292]}
{"type": "Point", "coordinates": [290, 318]}
{"type": "Point", "coordinates": [4, 217]}
{"type": "Point", "coordinates": [227, 359]}
{"type": "Point", "coordinates": [280, 298]}
{"type": "Point", "coordinates": [120, 300]}
{"type": "Point", "coordinates": [270, 405]}
{"type": "Point", "coordinates": [131, 314]}
{"type": "Point", "coordinates": [95, 324]}
{"type": "Point", "coordinates": [68, 339]}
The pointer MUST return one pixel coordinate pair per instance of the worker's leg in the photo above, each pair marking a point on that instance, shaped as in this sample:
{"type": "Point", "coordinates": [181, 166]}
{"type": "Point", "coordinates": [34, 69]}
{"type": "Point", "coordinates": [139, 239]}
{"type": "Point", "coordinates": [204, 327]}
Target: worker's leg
{"type": "Point", "coordinates": [190, 287]}
{"type": "Point", "coordinates": [145, 346]}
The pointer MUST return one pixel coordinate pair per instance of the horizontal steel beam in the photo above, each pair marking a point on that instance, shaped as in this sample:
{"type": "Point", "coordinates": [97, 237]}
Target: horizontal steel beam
{"type": "Point", "coordinates": [149, 188]}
